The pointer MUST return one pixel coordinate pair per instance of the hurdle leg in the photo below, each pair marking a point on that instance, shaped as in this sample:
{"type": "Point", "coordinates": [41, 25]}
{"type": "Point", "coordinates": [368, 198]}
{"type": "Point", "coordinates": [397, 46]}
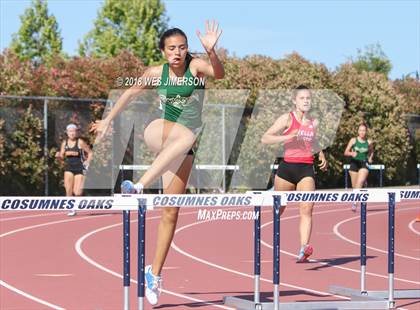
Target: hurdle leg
{"type": "Point", "coordinates": [418, 173]}
{"type": "Point", "coordinates": [363, 235]}
{"type": "Point", "coordinates": [241, 303]}
{"type": "Point", "coordinates": [257, 254]}
{"type": "Point", "coordinates": [126, 254]}
{"type": "Point", "coordinates": [141, 251]}
{"type": "Point", "coordinates": [391, 245]}
{"type": "Point", "coordinates": [380, 177]}
{"type": "Point", "coordinates": [346, 178]}
{"type": "Point", "coordinates": [276, 250]}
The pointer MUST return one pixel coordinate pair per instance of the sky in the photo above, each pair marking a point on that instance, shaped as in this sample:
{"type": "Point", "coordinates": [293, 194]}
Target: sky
{"type": "Point", "coordinates": [328, 32]}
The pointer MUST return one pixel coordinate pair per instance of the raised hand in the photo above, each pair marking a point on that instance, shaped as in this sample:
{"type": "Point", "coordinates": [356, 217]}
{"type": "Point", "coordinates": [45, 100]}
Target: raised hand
{"type": "Point", "coordinates": [211, 36]}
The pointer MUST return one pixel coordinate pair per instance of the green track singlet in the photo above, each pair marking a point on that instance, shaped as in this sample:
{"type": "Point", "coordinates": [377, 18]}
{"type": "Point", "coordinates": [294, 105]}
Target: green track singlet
{"type": "Point", "coordinates": [178, 101]}
{"type": "Point", "coordinates": [362, 149]}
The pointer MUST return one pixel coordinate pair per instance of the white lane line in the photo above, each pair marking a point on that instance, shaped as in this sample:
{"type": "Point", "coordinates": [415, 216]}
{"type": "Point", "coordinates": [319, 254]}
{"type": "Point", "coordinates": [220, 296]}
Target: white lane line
{"type": "Point", "coordinates": [29, 296]}
{"type": "Point", "coordinates": [18, 291]}
{"type": "Point", "coordinates": [45, 224]}
{"type": "Point", "coordinates": [176, 248]}
{"type": "Point", "coordinates": [328, 264]}
{"type": "Point", "coordinates": [78, 247]}
{"type": "Point", "coordinates": [337, 232]}
{"type": "Point", "coordinates": [411, 226]}
{"type": "Point", "coordinates": [53, 275]}
{"type": "Point", "coordinates": [29, 216]}
{"type": "Point", "coordinates": [49, 214]}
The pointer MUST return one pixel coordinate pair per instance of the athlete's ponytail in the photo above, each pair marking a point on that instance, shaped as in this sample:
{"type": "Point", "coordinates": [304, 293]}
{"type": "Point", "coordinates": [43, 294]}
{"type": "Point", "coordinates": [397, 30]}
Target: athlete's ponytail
{"type": "Point", "coordinates": [188, 58]}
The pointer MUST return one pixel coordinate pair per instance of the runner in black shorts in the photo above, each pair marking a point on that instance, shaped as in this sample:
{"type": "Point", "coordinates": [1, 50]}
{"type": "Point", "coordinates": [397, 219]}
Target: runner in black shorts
{"type": "Point", "coordinates": [360, 149]}
{"type": "Point", "coordinates": [73, 151]}
{"type": "Point", "coordinates": [297, 131]}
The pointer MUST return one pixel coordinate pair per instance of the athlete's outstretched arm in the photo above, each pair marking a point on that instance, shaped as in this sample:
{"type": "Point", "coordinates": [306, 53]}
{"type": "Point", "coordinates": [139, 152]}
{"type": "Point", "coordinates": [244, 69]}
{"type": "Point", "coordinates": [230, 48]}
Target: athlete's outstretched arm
{"type": "Point", "coordinates": [271, 136]}
{"type": "Point", "coordinates": [348, 151]}
{"type": "Point", "coordinates": [101, 127]}
{"type": "Point", "coordinates": [215, 69]}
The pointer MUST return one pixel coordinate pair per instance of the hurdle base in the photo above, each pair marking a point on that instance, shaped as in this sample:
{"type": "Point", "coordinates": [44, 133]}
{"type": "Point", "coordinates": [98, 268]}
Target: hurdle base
{"type": "Point", "coordinates": [398, 294]}
{"type": "Point", "coordinates": [357, 302]}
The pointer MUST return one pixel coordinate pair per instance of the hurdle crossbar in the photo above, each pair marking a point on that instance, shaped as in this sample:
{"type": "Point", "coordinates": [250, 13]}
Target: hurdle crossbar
{"type": "Point", "coordinates": [379, 167]}
{"type": "Point", "coordinates": [128, 202]}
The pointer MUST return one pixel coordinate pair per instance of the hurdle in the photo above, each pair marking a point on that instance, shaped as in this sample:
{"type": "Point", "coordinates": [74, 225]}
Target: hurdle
{"type": "Point", "coordinates": [143, 202]}
{"type": "Point", "coordinates": [357, 300]}
{"type": "Point", "coordinates": [126, 238]}
{"type": "Point", "coordinates": [379, 167]}
{"type": "Point", "coordinates": [391, 294]}
{"type": "Point", "coordinates": [418, 173]}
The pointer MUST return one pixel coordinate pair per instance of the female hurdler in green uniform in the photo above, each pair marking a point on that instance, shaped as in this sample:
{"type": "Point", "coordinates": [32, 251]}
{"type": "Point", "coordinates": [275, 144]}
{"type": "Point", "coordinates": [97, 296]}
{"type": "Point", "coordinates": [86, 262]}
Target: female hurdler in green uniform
{"type": "Point", "coordinates": [173, 134]}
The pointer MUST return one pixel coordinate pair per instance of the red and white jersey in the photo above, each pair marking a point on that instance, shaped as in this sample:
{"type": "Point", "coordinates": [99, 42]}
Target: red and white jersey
{"type": "Point", "coordinates": [299, 149]}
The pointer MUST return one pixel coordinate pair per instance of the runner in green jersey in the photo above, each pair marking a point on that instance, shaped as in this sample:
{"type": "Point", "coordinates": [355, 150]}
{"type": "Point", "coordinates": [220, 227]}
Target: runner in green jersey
{"type": "Point", "coordinates": [172, 134]}
{"type": "Point", "coordinates": [360, 149]}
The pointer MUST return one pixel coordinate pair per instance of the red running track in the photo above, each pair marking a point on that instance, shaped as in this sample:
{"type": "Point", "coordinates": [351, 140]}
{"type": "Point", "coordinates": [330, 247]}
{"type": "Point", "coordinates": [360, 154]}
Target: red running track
{"type": "Point", "coordinates": [51, 261]}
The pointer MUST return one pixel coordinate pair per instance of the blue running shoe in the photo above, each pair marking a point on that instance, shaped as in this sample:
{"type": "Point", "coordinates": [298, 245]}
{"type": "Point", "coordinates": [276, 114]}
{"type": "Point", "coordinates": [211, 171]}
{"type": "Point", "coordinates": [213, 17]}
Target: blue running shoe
{"type": "Point", "coordinates": [304, 253]}
{"type": "Point", "coordinates": [153, 285]}
{"type": "Point", "coordinates": [128, 187]}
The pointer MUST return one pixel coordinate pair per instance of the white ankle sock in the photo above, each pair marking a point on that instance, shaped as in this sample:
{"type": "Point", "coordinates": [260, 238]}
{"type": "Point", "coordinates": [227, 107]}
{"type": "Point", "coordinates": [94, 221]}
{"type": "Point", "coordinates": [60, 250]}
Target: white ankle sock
{"type": "Point", "coordinates": [138, 187]}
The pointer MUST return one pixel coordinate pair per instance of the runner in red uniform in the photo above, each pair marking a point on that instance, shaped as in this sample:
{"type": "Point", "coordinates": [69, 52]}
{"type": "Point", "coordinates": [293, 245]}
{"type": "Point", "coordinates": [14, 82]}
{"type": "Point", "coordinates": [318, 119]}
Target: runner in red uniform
{"type": "Point", "coordinates": [297, 131]}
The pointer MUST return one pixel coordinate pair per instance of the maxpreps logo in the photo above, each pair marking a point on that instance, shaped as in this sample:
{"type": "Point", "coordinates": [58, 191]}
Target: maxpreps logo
{"type": "Point", "coordinates": [55, 204]}
{"type": "Point", "coordinates": [220, 214]}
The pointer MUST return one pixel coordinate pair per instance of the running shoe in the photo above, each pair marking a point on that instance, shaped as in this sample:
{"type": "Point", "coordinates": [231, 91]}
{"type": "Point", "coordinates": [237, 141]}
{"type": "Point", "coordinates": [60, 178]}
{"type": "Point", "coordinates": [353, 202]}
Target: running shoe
{"type": "Point", "coordinates": [128, 187]}
{"type": "Point", "coordinates": [354, 207]}
{"type": "Point", "coordinates": [304, 253]}
{"type": "Point", "coordinates": [72, 213]}
{"type": "Point", "coordinates": [153, 285]}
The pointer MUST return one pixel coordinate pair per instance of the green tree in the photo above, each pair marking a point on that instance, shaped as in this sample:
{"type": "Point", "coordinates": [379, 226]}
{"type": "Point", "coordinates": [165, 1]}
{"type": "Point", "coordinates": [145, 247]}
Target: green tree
{"type": "Point", "coordinates": [370, 97]}
{"type": "Point", "coordinates": [38, 38]}
{"type": "Point", "coordinates": [3, 157]}
{"type": "Point", "coordinates": [372, 58]}
{"type": "Point", "coordinates": [127, 24]}
{"type": "Point", "coordinates": [25, 157]}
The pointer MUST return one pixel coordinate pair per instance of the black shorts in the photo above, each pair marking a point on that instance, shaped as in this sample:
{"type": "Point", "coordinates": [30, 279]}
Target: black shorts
{"type": "Point", "coordinates": [356, 165]}
{"type": "Point", "coordinates": [74, 166]}
{"type": "Point", "coordinates": [294, 172]}
{"type": "Point", "coordinates": [76, 172]}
